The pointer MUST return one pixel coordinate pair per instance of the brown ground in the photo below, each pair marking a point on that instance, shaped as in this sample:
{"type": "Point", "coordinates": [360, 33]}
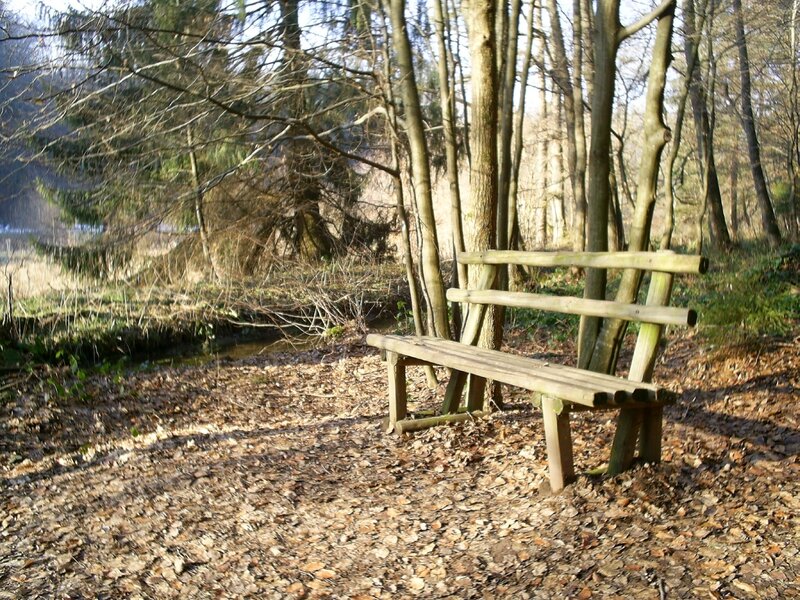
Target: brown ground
{"type": "Point", "coordinates": [270, 477]}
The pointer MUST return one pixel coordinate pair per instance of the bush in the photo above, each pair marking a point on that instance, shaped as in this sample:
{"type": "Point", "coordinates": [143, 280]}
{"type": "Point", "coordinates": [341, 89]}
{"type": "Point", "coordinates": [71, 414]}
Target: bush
{"type": "Point", "coordinates": [750, 295]}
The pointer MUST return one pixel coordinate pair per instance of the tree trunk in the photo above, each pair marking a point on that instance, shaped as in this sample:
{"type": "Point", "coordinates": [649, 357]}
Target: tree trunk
{"type": "Point", "coordinates": [768, 220]}
{"type": "Point", "coordinates": [519, 123]}
{"type": "Point", "coordinates": [718, 229]}
{"type": "Point", "coordinates": [481, 211]}
{"type": "Point", "coordinates": [505, 118]}
{"type": "Point", "coordinates": [558, 174]}
{"type": "Point", "coordinates": [447, 98]}
{"type": "Point", "coordinates": [669, 190]}
{"type": "Point", "coordinates": [616, 227]}
{"type": "Point", "coordinates": [420, 168]}
{"type": "Point", "coordinates": [734, 195]}
{"type": "Point", "coordinates": [656, 136]}
{"type": "Point", "coordinates": [581, 34]}
{"type": "Point", "coordinates": [576, 136]}
{"type": "Point", "coordinates": [199, 211]}
{"type": "Point", "coordinates": [605, 65]}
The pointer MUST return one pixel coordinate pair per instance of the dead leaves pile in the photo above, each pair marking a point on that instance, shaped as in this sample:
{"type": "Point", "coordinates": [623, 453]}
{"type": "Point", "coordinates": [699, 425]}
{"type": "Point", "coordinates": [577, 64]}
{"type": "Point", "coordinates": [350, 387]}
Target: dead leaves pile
{"type": "Point", "coordinates": [270, 477]}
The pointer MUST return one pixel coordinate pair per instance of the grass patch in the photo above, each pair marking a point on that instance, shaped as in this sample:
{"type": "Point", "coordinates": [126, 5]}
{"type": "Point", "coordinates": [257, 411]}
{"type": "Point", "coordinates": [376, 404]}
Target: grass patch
{"type": "Point", "coordinates": [749, 296]}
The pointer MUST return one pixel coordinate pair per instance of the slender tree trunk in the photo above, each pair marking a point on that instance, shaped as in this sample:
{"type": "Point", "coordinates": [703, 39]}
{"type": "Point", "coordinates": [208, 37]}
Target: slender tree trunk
{"type": "Point", "coordinates": [447, 98]}
{"type": "Point", "coordinates": [402, 214]}
{"type": "Point", "coordinates": [558, 173]}
{"type": "Point", "coordinates": [506, 116]}
{"type": "Point", "coordinates": [576, 138]}
{"type": "Point", "coordinates": [481, 211]}
{"type": "Point", "coordinates": [199, 211]}
{"type": "Point", "coordinates": [734, 195]}
{"type": "Point", "coordinates": [605, 63]}
{"type": "Point", "coordinates": [420, 168]}
{"type": "Point", "coordinates": [587, 29]}
{"type": "Point", "coordinates": [669, 189]}
{"type": "Point", "coordinates": [519, 123]}
{"type": "Point", "coordinates": [457, 67]}
{"type": "Point", "coordinates": [768, 220]}
{"type": "Point", "coordinates": [705, 142]}
{"type": "Point", "coordinates": [616, 227]}
{"type": "Point", "coordinates": [542, 145]}
{"type": "Point", "coordinates": [579, 55]}
{"type": "Point", "coordinates": [541, 161]}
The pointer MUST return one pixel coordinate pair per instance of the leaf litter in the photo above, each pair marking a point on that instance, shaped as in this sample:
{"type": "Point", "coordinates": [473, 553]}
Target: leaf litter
{"type": "Point", "coordinates": [271, 477]}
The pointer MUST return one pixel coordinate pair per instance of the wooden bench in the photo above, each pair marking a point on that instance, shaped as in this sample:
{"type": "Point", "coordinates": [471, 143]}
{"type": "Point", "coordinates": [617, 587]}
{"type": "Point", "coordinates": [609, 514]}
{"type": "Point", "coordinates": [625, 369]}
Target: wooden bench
{"type": "Point", "coordinates": [559, 389]}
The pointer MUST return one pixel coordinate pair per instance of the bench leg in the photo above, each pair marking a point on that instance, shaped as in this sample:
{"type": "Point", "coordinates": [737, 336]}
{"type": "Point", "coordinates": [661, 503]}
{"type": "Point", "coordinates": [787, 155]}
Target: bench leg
{"type": "Point", "coordinates": [475, 393]}
{"type": "Point", "coordinates": [624, 446]}
{"type": "Point", "coordinates": [650, 442]}
{"type": "Point", "coordinates": [397, 389]}
{"type": "Point", "coordinates": [559, 443]}
{"type": "Point", "coordinates": [452, 395]}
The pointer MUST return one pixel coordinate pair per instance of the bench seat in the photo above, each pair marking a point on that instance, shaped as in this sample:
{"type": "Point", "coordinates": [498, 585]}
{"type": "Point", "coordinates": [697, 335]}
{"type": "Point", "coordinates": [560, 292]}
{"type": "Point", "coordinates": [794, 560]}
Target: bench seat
{"type": "Point", "coordinates": [594, 390]}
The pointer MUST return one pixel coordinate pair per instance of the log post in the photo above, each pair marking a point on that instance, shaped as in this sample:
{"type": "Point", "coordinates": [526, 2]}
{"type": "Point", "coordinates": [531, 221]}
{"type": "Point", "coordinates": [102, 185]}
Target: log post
{"type": "Point", "coordinates": [452, 395]}
{"type": "Point", "coordinates": [559, 443]}
{"type": "Point", "coordinates": [476, 389]}
{"type": "Point", "coordinates": [630, 421]}
{"type": "Point", "coordinates": [397, 389]}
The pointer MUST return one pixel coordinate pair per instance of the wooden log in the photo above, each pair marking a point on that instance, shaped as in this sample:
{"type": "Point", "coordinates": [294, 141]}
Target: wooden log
{"type": "Point", "coordinates": [398, 398]}
{"type": "Point", "coordinates": [642, 365]}
{"type": "Point", "coordinates": [476, 314]}
{"type": "Point", "coordinates": [651, 434]}
{"type": "Point", "coordinates": [646, 350]}
{"type": "Point", "coordinates": [667, 262]}
{"type": "Point", "coordinates": [631, 421]}
{"type": "Point", "coordinates": [624, 444]}
{"type": "Point", "coordinates": [409, 425]}
{"type": "Point", "coordinates": [476, 390]}
{"type": "Point", "coordinates": [559, 443]}
{"type": "Point", "coordinates": [663, 315]}
{"type": "Point", "coordinates": [452, 395]}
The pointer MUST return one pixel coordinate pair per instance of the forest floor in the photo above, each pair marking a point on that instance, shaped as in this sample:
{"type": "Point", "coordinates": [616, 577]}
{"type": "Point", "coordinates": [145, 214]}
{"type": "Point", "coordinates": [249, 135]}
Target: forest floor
{"type": "Point", "coordinates": [270, 477]}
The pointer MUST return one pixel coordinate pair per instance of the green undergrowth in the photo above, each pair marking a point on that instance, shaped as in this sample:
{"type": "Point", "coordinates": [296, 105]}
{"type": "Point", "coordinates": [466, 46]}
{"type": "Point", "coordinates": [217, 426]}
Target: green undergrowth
{"type": "Point", "coordinates": [748, 297]}
{"type": "Point", "coordinates": [552, 325]}
{"type": "Point", "coordinates": [104, 322]}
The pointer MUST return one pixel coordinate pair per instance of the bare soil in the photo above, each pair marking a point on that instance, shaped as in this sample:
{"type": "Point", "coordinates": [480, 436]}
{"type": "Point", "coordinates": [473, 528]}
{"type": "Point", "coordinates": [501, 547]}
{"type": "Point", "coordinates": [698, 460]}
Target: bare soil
{"type": "Point", "coordinates": [270, 477]}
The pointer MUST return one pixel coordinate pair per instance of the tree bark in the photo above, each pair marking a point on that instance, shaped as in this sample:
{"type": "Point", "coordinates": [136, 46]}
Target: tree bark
{"type": "Point", "coordinates": [505, 118]}
{"type": "Point", "coordinates": [519, 123]}
{"type": "Point", "coordinates": [447, 99]}
{"type": "Point", "coordinates": [576, 135]}
{"type": "Point", "coordinates": [768, 220]}
{"type": "Point", "coordinates": [669, 189]}
{"type": "Point", "coordinates": [733, 194]}
{"type": "Point", "coordinates": [481, 211]}
{"type": "Point", "coordinates": [656, 136]}
{"type": "Point", "coordinates": [420, 168]}
{"type": "Point", "coordinates": [718, 229]}
{"type": "Point", "coordinates": [199, 209]}
{"type": "Point", "coordinates": [605, 64]}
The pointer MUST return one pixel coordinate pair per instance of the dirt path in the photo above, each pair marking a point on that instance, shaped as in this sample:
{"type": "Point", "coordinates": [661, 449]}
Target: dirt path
{"type": "Point", "coordinates": [269, 477]}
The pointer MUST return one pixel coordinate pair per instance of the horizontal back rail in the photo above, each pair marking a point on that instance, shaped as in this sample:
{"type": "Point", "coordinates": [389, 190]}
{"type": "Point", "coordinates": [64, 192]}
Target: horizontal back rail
{"type": "Point", "coordinates": [660, 315]}
{"type": "Point", "coordinates": [667, 262]}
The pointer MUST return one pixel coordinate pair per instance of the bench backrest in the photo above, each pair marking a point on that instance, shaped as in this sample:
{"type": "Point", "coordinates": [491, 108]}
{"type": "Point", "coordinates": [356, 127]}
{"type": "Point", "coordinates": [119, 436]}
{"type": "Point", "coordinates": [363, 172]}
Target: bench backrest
{"type": "Point", "coordinates": [653, 315]}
